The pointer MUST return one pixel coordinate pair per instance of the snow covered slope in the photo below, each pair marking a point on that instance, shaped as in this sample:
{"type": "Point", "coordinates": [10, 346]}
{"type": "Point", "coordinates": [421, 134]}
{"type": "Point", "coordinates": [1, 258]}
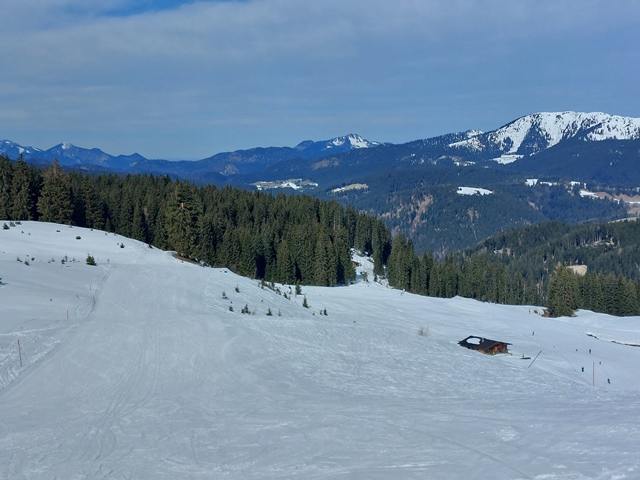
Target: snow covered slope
{"type": "Point", "coordinates": [144, 367]}
{"type": "Point", "coordinates": [531, 134]}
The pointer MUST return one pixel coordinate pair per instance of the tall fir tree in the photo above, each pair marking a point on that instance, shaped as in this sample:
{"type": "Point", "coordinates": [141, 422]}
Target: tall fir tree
{"type": "Point", "coordinates": [23, 191]}
{"type": "Point", "coordinates": [183, 211]}
{"type": "Point", "coordinates": [55, 204]}
{"type": "Point", "coordinates": [6, 173]}
{"type": "Point", "coordinates": [562, 292]}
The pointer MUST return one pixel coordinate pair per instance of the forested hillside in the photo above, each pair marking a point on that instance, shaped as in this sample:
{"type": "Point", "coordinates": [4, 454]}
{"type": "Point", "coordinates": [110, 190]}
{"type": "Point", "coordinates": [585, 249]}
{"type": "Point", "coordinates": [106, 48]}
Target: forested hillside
{"type": "Point", "coordinates": [609, 251]}
{"type": "Point", "coordinates": [284, 238]}
{"type": "Point", "coordinates": [300, 239]}
{"type": "Point", "coordinates": [423, 204]}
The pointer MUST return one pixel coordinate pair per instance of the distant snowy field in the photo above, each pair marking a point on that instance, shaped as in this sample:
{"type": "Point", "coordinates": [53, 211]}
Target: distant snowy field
{"type": "Point", "coordinates": [137, 369]}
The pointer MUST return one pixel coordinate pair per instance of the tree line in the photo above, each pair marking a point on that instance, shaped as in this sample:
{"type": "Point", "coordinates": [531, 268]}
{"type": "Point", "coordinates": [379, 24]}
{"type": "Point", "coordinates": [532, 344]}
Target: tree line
{"type": "Point", "coordinates": [279, 238]}
{"type": "Point", "coordinates": [301, 239]}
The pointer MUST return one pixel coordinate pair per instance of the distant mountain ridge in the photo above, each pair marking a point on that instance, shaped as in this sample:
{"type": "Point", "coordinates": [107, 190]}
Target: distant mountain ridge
{"type": "Point", "coordinates": [225, 163]}
{"type": "Point", "coordinates": [531, 134]}
{"type": "Point", "coordinates": [414, 186]}
{"type": "Point", "coordinates": [546, 142]}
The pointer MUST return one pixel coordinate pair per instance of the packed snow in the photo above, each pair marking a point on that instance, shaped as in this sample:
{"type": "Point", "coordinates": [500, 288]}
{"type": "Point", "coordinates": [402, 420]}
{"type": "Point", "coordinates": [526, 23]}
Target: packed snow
{"type": "Point", "coordinates": [473, 191]}
{"type": "Point", "coordinates": [137, 368]}
{"type": "Point", "coordinates": [506, 159]}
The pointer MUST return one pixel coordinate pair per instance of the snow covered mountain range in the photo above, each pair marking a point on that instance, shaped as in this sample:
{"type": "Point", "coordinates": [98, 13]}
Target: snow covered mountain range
{"type": "Point", "coordinates": [227, 163]}
{"type": "Point", "coordinates": [527, 136]}
{"type": "Point", "coordinates": [413, 185]}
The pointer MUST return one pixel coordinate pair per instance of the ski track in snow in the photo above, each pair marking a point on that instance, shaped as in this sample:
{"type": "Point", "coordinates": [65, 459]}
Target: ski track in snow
{"type": "Point", "coordinates": [150, 375]}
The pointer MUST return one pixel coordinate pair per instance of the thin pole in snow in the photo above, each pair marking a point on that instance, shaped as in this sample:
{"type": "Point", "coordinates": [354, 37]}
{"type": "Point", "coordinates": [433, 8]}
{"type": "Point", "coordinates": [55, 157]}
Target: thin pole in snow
{"type": "Point", "coordinates": [593, 380]}
{"type": "Point", "coordinates": [19, 352]}
{"type": "Point", "coordinates": [534, 359]}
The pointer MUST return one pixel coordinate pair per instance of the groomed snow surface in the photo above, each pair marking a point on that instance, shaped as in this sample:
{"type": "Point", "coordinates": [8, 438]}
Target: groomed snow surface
{"type": "Point", "coordinates": [137, 369]}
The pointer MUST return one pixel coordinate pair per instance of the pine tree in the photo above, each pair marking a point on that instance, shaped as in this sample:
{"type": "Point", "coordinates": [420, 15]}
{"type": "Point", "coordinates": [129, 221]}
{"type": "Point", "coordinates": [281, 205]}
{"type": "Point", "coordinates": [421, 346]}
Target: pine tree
{"type": "Point", "coordinates": [323, 274]}
{"type": "Point", "coordinates": [6, 173]}
{"type": "Point", "coordinates": [562, 292]}
{"type": "Point", "coordinates": [139, 227]}
{"type": "Point", "coordinates": [54, 204]}
{"type": "Point", "coordinates": [285, 265]}
{"type": "Point", "coordinates": [23, 191]}
{"type": "Point", "coordinates": [183, 211]}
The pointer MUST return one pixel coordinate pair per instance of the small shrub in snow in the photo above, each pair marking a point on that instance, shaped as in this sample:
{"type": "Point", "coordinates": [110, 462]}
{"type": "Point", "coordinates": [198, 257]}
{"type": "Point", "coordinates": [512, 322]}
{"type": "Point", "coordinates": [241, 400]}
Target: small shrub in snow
{"type": "Point", "coordinates": [78, 237]}
{"type": "Point", "coordinates": [237, 289]}
{"type": "Point", "coordinates": [304, 303]}
{"type": "Point", "coordinates": [5, 227]}
{"type": "Point", "coordinates": [423, 331]}
{"type": "Point", "coordinates": [231, 308]}
{"type": "Point", "coordinates": [269, 314]}
{"type": "Point", "coordinates": [224, 295]}
{"type": "Point", "coordinates": [91, 260]}
{"type": "Point", "coordinates": [245, 309]}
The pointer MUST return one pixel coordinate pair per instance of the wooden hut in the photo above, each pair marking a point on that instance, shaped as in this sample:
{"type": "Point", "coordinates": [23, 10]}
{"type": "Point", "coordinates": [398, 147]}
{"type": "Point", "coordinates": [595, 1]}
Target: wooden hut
{"type": "Point", "coordinates": [485, 345]}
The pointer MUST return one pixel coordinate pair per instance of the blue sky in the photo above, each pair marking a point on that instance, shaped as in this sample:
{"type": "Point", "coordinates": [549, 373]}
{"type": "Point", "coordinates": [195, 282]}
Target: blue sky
{"type": "Point", "coordinates": [188, 79]}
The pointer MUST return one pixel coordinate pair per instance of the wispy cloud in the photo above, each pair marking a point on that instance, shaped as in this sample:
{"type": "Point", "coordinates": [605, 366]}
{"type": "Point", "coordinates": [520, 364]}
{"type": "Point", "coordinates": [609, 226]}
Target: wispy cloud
{"type": "Point", "coordinates": [233, 74]}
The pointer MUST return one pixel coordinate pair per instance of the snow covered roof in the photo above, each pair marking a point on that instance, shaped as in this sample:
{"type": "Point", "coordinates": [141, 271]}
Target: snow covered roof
{"type": "Point", "coordinates": [481, 344]}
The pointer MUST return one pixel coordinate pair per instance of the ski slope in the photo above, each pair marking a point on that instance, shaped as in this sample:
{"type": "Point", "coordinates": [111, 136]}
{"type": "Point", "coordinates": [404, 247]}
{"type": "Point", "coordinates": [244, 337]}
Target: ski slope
{"type": "Point", "coordinates": [137, 369]}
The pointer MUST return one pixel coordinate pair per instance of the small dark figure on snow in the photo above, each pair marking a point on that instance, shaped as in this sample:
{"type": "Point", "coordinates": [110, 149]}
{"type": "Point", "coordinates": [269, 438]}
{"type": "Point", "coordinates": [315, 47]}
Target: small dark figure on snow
{"type": "Point", "coordinates": [609, 381]}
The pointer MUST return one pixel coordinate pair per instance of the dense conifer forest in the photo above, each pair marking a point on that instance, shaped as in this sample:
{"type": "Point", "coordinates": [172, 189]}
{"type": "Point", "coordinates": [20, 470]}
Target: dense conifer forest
{"type": "Point", "coordinates": [423, 204]}
{"type": "Point", "coordinates": [300, 239]}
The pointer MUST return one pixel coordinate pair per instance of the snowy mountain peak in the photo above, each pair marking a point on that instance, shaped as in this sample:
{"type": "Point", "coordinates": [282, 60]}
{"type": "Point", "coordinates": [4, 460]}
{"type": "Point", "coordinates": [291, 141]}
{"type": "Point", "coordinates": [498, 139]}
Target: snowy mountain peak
{"type": "Point", "coordinates": [534, 133]}
{"type": "Point", "coordinates": [335, 145]}
{"type": "Point", "coordinates": [354, 141]}
{"type": "Point", "coordinates": [13, 150]}
{"type": "Point", "coordinates": [557, 126]}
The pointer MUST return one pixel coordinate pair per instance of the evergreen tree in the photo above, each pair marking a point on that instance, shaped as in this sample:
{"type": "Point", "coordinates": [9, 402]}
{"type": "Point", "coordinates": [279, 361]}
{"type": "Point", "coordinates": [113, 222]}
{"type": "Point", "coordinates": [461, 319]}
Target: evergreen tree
{"type": "Point", "coordinates": [6, 173]}
{"type": "Point", "coordinates": [54, 204]}
{"type": "Point", "coordinates": [23, 191]}
{"type": "Point", "coordinates": [91, 204]}
{"type": "Point", "coordinates": [562, 292]}
{"type": "Point", "coordinates": [285, 266]}
{"type": "Point", "coordinates": [139, 227]}
{"type": "Point", "coordinates": [183, 211]}
{"type": "Point", "coordinates": [323, 268]}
